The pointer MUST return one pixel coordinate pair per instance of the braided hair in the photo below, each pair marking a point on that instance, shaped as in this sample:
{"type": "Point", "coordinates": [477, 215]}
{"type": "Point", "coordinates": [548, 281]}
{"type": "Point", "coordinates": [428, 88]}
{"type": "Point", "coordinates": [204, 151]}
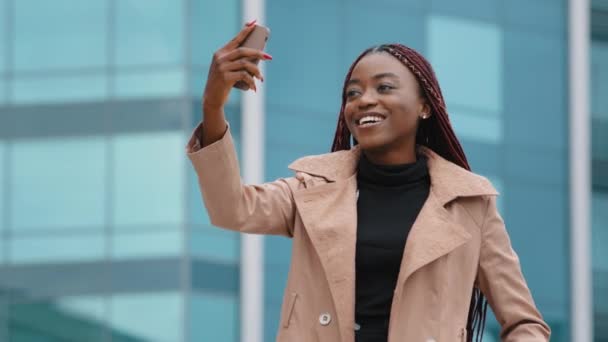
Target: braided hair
{"type": "Point", "coordinates": [435, 133]}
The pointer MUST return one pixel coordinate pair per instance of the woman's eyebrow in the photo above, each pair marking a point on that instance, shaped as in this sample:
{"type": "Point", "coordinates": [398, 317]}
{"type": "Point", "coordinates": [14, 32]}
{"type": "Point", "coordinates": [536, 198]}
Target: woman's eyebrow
{"type": "Point", "coordinates": [376, 77]}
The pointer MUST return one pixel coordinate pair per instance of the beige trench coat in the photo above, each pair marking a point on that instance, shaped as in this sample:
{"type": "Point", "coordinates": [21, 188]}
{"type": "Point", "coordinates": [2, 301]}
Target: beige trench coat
{"type": "Point", "coordinates": [458, 240]}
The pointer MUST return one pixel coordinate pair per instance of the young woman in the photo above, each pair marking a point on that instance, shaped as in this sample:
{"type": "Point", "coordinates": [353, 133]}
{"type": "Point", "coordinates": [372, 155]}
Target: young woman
{"type": "Point", "coordinates": [394, 239]}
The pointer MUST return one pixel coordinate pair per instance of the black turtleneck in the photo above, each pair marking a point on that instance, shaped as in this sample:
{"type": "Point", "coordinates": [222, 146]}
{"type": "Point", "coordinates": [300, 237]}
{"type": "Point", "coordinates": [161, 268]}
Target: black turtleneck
{"type": "Point", "coordinates": [390, 198]}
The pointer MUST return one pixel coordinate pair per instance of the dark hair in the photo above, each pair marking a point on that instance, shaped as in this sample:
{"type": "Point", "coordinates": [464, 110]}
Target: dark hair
{"type": "Point", "coordinates": [435, 133]}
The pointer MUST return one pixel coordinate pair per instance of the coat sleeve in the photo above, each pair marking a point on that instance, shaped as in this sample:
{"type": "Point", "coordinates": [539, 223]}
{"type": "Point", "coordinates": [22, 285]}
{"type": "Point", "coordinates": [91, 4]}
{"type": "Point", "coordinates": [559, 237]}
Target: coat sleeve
{"type": "Point", "coordinates": [261, 209]}
{"type": "Point", "coordinates": [501, 280]}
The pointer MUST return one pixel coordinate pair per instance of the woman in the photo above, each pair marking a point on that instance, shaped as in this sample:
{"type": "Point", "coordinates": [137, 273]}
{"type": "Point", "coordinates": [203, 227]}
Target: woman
{"type": "Point", "coordinates": [394, 239]}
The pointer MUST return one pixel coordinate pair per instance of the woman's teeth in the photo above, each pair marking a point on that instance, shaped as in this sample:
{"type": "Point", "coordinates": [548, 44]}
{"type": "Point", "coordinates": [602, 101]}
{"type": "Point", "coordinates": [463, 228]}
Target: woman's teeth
{"type": "Point", "coordinates": [370, 120]}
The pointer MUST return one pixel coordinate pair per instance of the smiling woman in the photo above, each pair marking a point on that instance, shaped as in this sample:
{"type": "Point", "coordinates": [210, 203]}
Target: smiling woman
{"type": "Point", "coordinates": [394, 239]}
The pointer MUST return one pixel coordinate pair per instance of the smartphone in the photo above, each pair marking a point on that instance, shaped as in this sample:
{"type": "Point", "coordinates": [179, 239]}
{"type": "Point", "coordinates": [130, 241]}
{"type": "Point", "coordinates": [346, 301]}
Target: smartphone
{"type": "Point", "coordinates": [256, 40]}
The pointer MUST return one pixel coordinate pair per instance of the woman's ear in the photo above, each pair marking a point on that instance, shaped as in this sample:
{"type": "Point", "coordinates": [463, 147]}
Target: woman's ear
{"type": "Point", "coordinates": [425, 112]}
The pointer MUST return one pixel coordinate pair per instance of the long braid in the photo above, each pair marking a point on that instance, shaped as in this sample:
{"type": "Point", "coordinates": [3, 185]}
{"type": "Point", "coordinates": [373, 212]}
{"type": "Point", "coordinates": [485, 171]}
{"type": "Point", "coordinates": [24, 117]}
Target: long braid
{"type": "Point", "coordinates": [435, 133]}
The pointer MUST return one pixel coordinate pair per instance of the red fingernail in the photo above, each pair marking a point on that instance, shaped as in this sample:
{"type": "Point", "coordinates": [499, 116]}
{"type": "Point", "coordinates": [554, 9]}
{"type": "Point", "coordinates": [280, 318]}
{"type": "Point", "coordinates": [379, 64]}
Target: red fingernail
{"type": "Point", "coordinates": [267, 56]}
{"type": "Point", "coordinates": [251, 22]}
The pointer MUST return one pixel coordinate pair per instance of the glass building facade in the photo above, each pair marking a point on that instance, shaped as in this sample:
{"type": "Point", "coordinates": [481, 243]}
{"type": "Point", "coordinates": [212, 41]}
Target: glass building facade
{"type": "Point", "coordinates": [599, 165]}
{"type": "Point", "coordinates": [103, 234]}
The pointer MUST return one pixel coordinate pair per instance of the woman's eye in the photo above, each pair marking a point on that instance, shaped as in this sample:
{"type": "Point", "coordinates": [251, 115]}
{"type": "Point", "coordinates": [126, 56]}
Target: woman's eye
{"type": "Point", "coordinates": [384, 87]}
{"type": "Point", "coordinates": [351, 93]}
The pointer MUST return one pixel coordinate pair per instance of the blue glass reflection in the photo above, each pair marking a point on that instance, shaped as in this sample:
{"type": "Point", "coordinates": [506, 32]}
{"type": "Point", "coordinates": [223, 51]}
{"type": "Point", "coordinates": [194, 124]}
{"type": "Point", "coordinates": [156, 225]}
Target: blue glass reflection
{"type": "Point", "coordinates": [158, 317]}
{"type": "Point", "coordinates": [457, 47]}
{"type": "Point", "coordinates": [156, 83]}
{"type": "Point", "coordinates": [58, 183]}
{"type": "Point", "coordinates": [56, 248]}
{"type": "Point", "coordinates": [61, 89]}
{"type": "Point", "coordinates": [149, 32]}
{"type": "Point", "coordinates": [214, 317]}
{"type": "Point", "coordinates": [149, 178]}
{"type": "Point", "coordinates": [67, 319]}
{"type": "Point", "coordinates": [215, 244]}
{"type": "Point", "coordinates": [46, 38]}
{"type": "Point", "coordinates": [147, 244]}
{"type": "Point", "coordinates": [213, 24]}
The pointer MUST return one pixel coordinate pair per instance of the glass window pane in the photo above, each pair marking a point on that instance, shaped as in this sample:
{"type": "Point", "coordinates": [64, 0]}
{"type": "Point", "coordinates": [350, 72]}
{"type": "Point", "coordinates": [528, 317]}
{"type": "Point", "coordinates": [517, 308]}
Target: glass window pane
{"type": "Point", "coordinates": [148, 179]}
{"type": "Point", "coordinates": [146, 244]}
{"type": "Point", "coordinates": [600, 233]}
{"type": "Point", "coordinates": [599, 78]}
{"type": "Point", "coordinates": [478, 9]}
{"type": "Point", "coordinates": [529, 106]}
{"type": "Point", "coordinates": [220, 313]}
{"type": "Point", "coordinates": [149, 32]}
{"type": "Point", "coordinates": [146, 317]}
{"type": "Point", "coordinates": [368, 24]}
{"type": "Point", "coordinates": [52, 248]}
{"type": "Point", "coordinates": [60, 34]}
{"type": "Point", "coordinates": [293, 38]}
{"type": "Point", "coordinates": [212, 243]}
{"type": "Point", "coordinates": [2, 89]}
{"type": "Point", "coordinates": [59, 89]}
{"type": "Point", "coordinates": [58, 183]}
{"type": "Point", "coordinates": [479, 126]}
{"type": "Point", "coordinates": [61, 320]}
{"type": "Point", "coordinates": [213, 23]}
{"type": "Point", "coordinates": [3, 20]}
{"type": "Point", "coordinates": [3, 182]}
{"type": "Point", "coordinates": [150, 84]}
{"type": "Point", "coordinates": [479, 47]}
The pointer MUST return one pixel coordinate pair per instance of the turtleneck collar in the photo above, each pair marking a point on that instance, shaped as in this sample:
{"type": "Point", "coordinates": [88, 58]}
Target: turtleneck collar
{"type": "Point", "coordinates": [392, 175]}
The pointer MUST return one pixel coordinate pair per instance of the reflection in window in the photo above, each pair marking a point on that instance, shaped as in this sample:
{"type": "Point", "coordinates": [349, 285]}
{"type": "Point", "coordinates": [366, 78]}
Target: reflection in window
{"type": "Point", "coordinates": [58, 183]}
{"type": "Point", "coordinates": [599, 167]}
{"type": "Point", "coordinates": [146, 317]}
{"type": "Point", "coordinates": [461, 49]}
{"type": "Point", "coordinates": [149, 32]}
{"type": "Point", "coordinates": [56, 248]}
{"type": "Point", "coordinates": [2, 90]}
{"type": "Point", "coordinates": [215, 244]}
{"type": "Point", "coordinates": [59, 34]}
{"type": "Point", "coordinates": [3, 182]}
{"type": "Point", "coordinates": [3, 19]}
{"type": "Point", "coordinates": [214, 317]}
{"type": "Point", "coordinates": [482, 127]}
{"type": "Point", "coordinates": [147, 244]}
{"type": "Point", "coordinates": [65, 319]}
{"type": "Point", "coordinates": [150, 83]}
{"type": "Point", "coordinates": [148, 179]}
{"type": "Point", "coordinates": [61, 89]}
{"type": "Point", "coordinates": [213, 23]}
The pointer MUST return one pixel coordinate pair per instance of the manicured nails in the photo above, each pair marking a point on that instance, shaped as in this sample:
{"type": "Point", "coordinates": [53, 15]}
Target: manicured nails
{"type": "Point", "coordinates": [267, 56]}
{"type": "Point", "coordinates": [251, 22]}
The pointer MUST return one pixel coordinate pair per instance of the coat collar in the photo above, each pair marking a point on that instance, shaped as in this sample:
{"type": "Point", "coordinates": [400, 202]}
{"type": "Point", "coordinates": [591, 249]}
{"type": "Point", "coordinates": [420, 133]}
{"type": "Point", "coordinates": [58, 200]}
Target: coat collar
{"type": "Point", "coordinates": [448, 180]}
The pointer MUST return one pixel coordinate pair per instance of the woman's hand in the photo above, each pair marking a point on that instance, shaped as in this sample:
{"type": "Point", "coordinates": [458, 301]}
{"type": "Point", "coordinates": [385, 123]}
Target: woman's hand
{"type": "Point", "coordinates": [231, 64]}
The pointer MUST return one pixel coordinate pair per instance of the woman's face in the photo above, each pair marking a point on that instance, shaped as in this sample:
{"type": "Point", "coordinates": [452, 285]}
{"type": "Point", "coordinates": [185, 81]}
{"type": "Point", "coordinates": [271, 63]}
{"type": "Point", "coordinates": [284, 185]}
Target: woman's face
{"type": "Point", "coordinates": [383, 105]}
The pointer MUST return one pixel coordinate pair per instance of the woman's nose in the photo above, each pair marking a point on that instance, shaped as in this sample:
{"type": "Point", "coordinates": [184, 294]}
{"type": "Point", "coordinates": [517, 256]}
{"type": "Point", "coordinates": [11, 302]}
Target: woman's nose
{"type": "Point", "coordinates": [367, 99]}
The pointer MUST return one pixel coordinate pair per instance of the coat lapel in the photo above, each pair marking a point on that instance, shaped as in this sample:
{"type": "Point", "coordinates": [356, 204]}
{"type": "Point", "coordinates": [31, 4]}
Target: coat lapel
{"type": "Point", "coordinates": [329, 214]}
{"type": "Point", "coordinates": [432, 236]}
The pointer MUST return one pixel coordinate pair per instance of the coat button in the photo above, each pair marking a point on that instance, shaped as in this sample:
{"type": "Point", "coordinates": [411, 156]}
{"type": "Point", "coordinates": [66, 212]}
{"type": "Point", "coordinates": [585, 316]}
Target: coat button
{"type": "Point", "coordinates": [325, 318]}
{"type": "Point", "coordinates": [357, 327]}
{"type": "Point", "coordinates": [430, 339]}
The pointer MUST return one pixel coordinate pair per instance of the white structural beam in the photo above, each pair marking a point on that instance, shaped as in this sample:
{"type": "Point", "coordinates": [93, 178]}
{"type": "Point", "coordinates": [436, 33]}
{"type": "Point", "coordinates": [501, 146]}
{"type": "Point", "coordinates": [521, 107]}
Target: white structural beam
{"type": "Point", "coordinates": [252, 151]}
{"type": "Point", "coordinates": [580, 174]}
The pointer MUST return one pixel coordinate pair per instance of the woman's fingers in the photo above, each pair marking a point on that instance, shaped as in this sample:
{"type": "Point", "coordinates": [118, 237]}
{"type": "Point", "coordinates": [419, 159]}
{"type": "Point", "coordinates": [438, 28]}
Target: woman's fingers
{"type": "Point", "coordinates": [240, 37]}
{"type": "Point", "coordinates": [243, 64]}
{"type": "Point", "coordinates": [243, 52]}
{"type": "Point", "coordinates": [241, 75]}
